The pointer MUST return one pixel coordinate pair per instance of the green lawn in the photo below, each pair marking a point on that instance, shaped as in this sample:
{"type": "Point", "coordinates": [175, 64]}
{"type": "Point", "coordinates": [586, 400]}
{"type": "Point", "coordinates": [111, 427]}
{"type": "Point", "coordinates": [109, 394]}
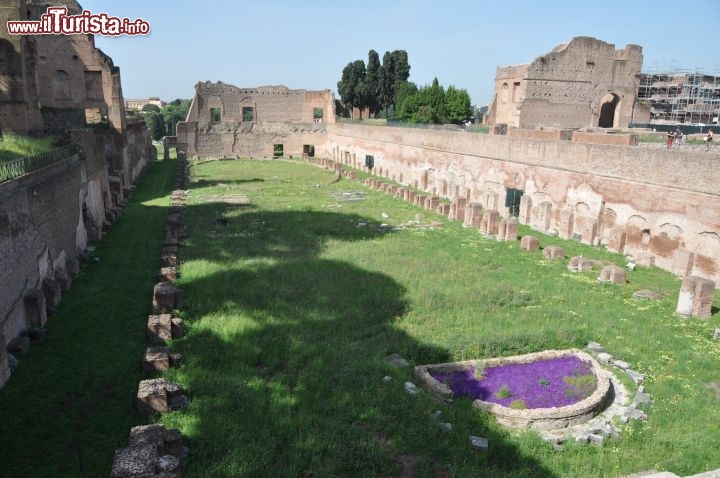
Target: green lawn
{"type": "Point", "coordinates": [292, 303]}
{"type": "Point", "coordinates": [70, 403]}
{"type": "Point", "coordinates": [292, 306]}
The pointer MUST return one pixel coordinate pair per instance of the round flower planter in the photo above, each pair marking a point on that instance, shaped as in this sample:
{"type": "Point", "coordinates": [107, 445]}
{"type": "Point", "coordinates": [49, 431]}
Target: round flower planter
{"type": "Point", "coordinates": [549, 418]}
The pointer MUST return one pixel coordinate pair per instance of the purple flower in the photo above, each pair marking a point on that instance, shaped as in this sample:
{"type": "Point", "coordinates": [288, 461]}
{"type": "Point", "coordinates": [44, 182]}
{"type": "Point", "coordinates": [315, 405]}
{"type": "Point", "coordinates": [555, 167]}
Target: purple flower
{"type": "Point", "coordinates": [540, 384]}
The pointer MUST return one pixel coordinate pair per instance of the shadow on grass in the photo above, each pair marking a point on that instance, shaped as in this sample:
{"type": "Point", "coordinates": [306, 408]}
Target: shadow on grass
{"type": "Point", "coordinates": [70, 402]}
{"type": "Point", "coordinates": [285, 362]}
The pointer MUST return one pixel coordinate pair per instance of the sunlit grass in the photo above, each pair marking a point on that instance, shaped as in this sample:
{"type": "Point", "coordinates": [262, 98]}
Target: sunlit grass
{"type": "Point", "coordinates": [293, 304]}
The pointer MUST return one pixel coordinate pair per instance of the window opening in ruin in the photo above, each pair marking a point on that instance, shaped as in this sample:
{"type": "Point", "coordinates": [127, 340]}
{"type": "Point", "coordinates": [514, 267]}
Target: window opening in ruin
{"type": "Point", "coordinates": [516, 92]}
{"type": "Point", "coordinates": [95, 116]}
{"type": "Point", "coordinates": [512, 201]}
{"type": "Point", "coordinates": [309, 149]}
{"type": "Point", "coordinates": [318, 115]}
{"type": "Point", "coordinates": [505, 89]}
{"type": "Point", "coordinates": [61, 85]}
{"type": "Point", "coordinates": [248, 113]}
{"type": "Point", "coordinates": [607, 111]}
{"type": "Point", "coordinates": [277, 150]}
{"type": "Point", "coordinates": [93, 85]}
{"type": "Point", "coordinates": [215, 115]}
{"type": "Point", "coordinates": [645, 237]}
{"type": "Point", "coordinates": [369, 161]}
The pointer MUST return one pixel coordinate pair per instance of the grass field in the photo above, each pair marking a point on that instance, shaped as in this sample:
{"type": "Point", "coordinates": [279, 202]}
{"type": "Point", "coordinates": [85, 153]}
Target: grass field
{"type": "Point", "coordinates": [293, 300]}
{"type": "Point", "coordinates": [293, 305]}
{"type": "Point", "coordinates": [70, 402]}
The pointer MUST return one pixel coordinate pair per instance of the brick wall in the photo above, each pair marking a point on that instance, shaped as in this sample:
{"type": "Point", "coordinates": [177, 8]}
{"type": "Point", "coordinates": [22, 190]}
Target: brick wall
{"type": "Point", "coordinates": [664, 201]}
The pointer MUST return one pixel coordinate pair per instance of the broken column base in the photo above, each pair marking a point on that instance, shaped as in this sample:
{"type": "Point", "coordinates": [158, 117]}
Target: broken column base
{"type": "Point", "coordinates": [159, 359]}
{"type": "Point", "coordinates": [159, 395]}
{"type": "Point", "coordinates": [152, 451]}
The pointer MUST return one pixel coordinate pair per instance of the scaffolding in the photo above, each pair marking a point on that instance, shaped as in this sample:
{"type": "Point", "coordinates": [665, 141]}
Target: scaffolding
{"type": "Point", "coordinates": [681, 97]}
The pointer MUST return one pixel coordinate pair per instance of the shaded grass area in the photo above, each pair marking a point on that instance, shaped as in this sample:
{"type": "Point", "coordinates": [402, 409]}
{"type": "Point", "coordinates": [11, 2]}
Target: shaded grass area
{"type": "Point", "coordinates": [70, 402]}
{"type": "Point", "coordinates": [294, 299]}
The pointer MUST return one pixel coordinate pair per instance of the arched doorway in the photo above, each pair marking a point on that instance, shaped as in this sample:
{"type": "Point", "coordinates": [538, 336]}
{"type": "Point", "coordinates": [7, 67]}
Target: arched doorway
{"type": "Point", "coordinates": [608, 107]}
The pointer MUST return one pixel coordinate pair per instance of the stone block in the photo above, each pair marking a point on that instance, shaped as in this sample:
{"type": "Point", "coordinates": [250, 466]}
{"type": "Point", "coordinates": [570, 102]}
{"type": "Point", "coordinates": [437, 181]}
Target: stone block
{"type": "Point", "coordinates": [473, 214]}
{"type": "Point", "coordinates": [35, 308]}
{"type": "Point", "coordinates": [52, 290]}
{"type": "Point", "coordinates": [134, 462]}
{"type": "Point", "coordinates": [169, 260]}
{"type": "Point", "coordinates": [696, 297]}
{"type": "Point", "coordinates": [152, 396]}
{"type": "Point", "coordinates": [479, 443]}
{"type": "Point", "coordinates": [159, 328]}
{"type": "Point", "coordinates": [159, 395]}
{"type": "Point", "coordinates": [156, 359]}
{"type": "Point", "coordinates": [554, 253]}
{"type": "Point", "coordinates": [490, 222]}
{"type": "Point", "coordinates": [683, 263]}
{"type": "Point", "coordinates": [457, 209]}
{"type": "Point", "coordinates": [579, 264]}
{"type": "Point", "coordinates": [613, 275]}
{"type": "Point", "coordinates": [167, 274]}
{"type": "Point", "coordinates": [616, 240]}
{"type": "Point", "coordinates": [501, 230]}
{"type": "Point", "coordinates": [431, 203]}
{"type": "Point", "coordinates": [4, 363]}
{"type": "Point", "coordinates": [524, 214]}
{"type": "Point", "coordinates": [19, 346]}
{"type": "Point", "coordinates": [511, 230]}
{"type": "Point", "coordinates": [529, 243]}
{"type": "Point", "coordinates": [166, 298]}
{"type": "Point", "coordinates": [153, 451]}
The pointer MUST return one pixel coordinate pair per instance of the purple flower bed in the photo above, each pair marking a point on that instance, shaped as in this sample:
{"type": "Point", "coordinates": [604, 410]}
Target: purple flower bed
{"type": "Point", "coordinates": [548, 383]}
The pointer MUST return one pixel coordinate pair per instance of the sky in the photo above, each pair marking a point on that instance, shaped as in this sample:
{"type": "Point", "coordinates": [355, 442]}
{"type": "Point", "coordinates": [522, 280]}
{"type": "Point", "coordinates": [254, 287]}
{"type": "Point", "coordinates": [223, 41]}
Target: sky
{"type": "Point", "coordinates": [306, 45]}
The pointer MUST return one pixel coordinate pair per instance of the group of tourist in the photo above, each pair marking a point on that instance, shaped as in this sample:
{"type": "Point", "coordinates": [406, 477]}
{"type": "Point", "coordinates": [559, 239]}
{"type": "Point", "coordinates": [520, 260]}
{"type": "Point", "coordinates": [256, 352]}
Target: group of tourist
{"type": "Point", "coordinates": [674, 138]}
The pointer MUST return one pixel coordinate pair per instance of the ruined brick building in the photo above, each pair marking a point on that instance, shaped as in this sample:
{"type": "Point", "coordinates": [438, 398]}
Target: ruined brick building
{"type": "Point", "coordinates": [59, 84]}
{"type": "Point", "coordinates": [225, 120]}
{"type": "Point", "coordinates": [585, 83]}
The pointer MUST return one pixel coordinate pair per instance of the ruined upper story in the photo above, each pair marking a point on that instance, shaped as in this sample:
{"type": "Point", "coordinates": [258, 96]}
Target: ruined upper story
{"type": "Point", "coordinates": [580, 84]}
{"type": "Point", "coordinates": [223, 103]}
{"type": "Point", "coordinates": [50, 82]}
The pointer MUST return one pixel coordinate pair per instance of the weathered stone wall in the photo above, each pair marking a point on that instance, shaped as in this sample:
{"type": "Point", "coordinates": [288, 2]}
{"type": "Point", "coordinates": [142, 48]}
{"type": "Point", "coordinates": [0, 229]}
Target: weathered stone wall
{"type": "Point", "coordinates": [48, 216]}
{"type": "Point", "coordinates": [280, 117]}
{"type": "Point", "coordinates": [567, 87]}
{"type": "Point", "coordinates": [40, 216]}
{"type": "Point", "coordinates": [663, 204]}
{"type": "Point", "coordinates": [48, 81]}
{"type": "Point", "coordinates": [17, 76]}
{"type": "Point", "coordinates": [270, 104]}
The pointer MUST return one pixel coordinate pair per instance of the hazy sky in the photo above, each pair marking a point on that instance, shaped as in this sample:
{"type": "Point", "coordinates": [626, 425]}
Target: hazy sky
{"type": "Point", "coordinates": [307, 44]}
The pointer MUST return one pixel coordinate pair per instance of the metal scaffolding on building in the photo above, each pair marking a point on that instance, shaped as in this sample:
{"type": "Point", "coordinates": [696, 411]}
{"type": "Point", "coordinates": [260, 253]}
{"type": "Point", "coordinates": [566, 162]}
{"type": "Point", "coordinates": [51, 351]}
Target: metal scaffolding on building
{"type": "Point", "coordinates": [681, 97]}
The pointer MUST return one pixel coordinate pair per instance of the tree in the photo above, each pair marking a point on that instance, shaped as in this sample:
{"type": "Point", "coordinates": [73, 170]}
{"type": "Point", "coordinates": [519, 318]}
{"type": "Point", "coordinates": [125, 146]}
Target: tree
{"type": "Point", "coordinates": [372, 82]}
{"type": "Point", "coordinates": [395, 70]}
{"type": "Point", "coordinates": [154, 122]}
{"type": "Point", "coordinates": [150, 108]}
{"type": "Point", "coordinates": [174, 112]}
{"type": "Point", "coordinates": [352, 87]}
{"type": "Point", "coordinates": [406, 101]}
{"type": "Point", "coordinates": [458, 104]}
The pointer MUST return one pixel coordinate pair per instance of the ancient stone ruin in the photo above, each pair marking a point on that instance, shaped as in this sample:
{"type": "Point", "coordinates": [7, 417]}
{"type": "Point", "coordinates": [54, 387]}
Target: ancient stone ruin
{"type": "Point", "coordinates": [696, 297]}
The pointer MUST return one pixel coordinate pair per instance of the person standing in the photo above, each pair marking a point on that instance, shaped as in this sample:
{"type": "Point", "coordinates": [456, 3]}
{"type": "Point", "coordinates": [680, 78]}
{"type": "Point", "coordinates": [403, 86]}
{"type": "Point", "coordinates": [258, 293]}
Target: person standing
{"type": "Point", "coordinates": [708, 140]}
